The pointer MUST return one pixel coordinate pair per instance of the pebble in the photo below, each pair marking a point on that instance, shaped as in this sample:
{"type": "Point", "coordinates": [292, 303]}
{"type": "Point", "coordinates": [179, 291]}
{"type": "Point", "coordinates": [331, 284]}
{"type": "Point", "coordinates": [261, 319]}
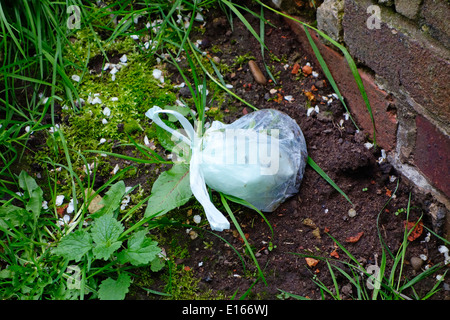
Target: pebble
{"type": "Point", "coordinates": [416, 263]}
{"type": "Point", "coordinates": [256, 72]}
{"type": "Point", "coordinates": [216, 59]}
{"type": "Point", "coordinates": [351, 213]}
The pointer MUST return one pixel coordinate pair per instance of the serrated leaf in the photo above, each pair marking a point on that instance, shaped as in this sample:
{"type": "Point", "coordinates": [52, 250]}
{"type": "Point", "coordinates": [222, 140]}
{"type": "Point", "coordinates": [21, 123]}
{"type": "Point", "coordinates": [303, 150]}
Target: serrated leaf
{"type": "Point", "coordinates": [111, 200]}
{"type": "Point", "coordinates": [157, 264]}
{"type": "Point", "coordinates": [111, 289]}
{"type": "Point", "coordinates": [171, 190]}
{"type": "Point", "coordinates": [141, 250]}
{"type": "Point", "coordinates": [74, 246]}
{"type": "Point", "coordinates": [105, 233]}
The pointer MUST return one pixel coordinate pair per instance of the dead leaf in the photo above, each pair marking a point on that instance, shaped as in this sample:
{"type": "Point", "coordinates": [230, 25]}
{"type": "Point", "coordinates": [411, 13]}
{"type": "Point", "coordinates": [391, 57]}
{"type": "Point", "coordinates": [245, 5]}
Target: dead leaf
{"type": "Point", "coordinates": [334, 254]}
{"type": "Point", "coordinates": [307, 70]}
{"type": "Point", "coordinates": [355, 238]}
{"type": "Point", "coordinates": [311, 262]}
{"type": "Point", "coordinates": [416, 232]}
{"type": "Point", "coordinates": [309, 95]}
{"type": "Point", "coordinates": [295, 68]}
{"type": "Point", "coordinates": [60, 210]}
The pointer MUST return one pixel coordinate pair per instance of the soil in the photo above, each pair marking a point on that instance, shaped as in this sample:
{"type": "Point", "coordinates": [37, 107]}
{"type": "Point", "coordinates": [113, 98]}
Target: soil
{"type": "Point", "coordinates": [305, 223]}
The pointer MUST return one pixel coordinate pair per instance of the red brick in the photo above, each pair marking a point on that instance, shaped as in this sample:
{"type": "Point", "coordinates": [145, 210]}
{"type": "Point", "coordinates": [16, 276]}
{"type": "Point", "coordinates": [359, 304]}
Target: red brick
{"type": "Point", "coordinates": [402, 55]}
{"type": "Point", "coordinates": [380, 101]}
{"type": "Point", "coordinates": [432, 154]}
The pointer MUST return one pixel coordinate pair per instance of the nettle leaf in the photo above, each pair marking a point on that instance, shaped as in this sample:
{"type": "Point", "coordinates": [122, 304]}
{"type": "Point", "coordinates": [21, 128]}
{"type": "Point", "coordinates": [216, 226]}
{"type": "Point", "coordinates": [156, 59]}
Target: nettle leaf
{"type": "Point", "coordinates": [75, 245]}
{"type": "Point", "coordinates": [171, 190]}
{"type": "Point", "coordinates": [105, 233]}
{"type": "Point", "coordinates": [157, 264]}
{"type": "Point", "coordinates": [111, 289]}
{"type": "Point", "coordinates": [141, 250]}
{"type": "Point", "coordinates": [111, 200]}
{"type": "Point", "coordinates": [12, 216]}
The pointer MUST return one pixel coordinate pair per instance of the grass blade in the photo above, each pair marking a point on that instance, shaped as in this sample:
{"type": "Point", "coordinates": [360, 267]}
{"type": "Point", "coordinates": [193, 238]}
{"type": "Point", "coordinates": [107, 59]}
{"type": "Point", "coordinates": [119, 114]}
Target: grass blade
{"type": "Point", "coordinates": [327, 178]}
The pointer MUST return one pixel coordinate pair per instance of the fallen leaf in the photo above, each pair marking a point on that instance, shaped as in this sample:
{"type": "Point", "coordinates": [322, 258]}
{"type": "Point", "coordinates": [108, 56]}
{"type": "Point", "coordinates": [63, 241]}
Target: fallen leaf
{"type": "Point", "coordinates": [295, 68]}
{"type": "Point", "coordinates": [334, 254]}
{"type": "Point", "coordinates": [187, 268]}
{"type": "Point", "coordinates": [60, 210]}
{"type": "Point", "coordinates": [307, 70]}
{"type": "Point", "coordinates": [416, 232]}
{"type": "Point", "coordinates": [311, 262]}
{"type": "Point", "coordinates": [388, 192]}
{"type": "Point", "coordinates": [355, 238]}
{"type": "Point", "coordinates": [309, 95]}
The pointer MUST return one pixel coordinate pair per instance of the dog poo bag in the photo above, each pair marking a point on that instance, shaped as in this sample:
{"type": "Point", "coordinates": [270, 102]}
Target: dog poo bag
{"type": "Point", "coordinates": [260, 158]}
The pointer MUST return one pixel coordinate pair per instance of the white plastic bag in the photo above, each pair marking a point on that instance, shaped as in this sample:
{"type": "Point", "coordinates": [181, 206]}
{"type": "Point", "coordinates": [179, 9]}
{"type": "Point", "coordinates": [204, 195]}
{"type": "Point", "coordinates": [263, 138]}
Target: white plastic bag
{"type": "Point", "coordinates": [260, 158]}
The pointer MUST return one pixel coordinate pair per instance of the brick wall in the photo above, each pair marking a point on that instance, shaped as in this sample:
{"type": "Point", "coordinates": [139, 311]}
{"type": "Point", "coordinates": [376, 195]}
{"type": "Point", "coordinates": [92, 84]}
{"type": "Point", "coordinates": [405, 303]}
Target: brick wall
{"type": "Point", "coordinates": [402, 49]}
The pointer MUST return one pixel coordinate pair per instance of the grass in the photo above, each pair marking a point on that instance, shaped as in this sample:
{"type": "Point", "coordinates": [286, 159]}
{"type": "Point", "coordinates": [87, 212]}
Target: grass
{"type": "Point", "coordinates": [42, 256]}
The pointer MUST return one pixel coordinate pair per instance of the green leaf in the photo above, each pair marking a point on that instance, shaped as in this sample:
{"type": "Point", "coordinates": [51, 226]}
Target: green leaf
{"type": "Point", "coordinates": [12, 216]}
{"type": "Point", "coordinates": [157, 264]}
{"type": "Point", "coordinates": [27, 183]}
{"type": "Point", "coordinates": [111, 289]}
{"type": "Point", "coordinates": [74, 246]}
{"type": "Point", "coordinates": [34, 205]}
{"type": "Point", "coordinates": [105, 233]}
{"type": "Point", "coordinates": [141, 250]}
{"type": "Point", "coordinates": [164, 137]}
{"type": "Point", "coordinates": [171, 190]}
{"type": "Point", "coordinates": [111, 200]}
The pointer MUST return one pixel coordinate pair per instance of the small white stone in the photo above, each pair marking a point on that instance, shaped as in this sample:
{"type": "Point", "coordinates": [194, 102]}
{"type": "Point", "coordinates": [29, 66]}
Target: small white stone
{"type": "Point", "coordinates": [102, 140]}
{"type": "Point", "coordinates": [96, 100]}
{"type": "Point", "coordinates": [197, 219]}
{"type": "Point", "coordinates": [309, 111]}
{"type": "Point", "coordinates": [315, 74]}
{"type": "Point", "coordinates": [76, 78]}
{"type": "Point", "coordinates": [59, 200]}
{"type": "Point", "coordinates": [107, 111]}
{"type": "Point", "coordinates": [352, 213]}
{"type": "Point", "coordinates": [114, 70]}
{"type": "Point", "coordinates": [199, 17]}
{"type": "Point", "coordinates": [104, 121]}
{"type": "Point", "coordinates": [288, 98]}
{"type": "Point", "coordinates": [114, 99]}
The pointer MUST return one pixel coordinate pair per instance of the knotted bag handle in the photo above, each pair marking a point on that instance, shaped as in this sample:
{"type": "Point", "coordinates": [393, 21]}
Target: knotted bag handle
{"type": "Point", "coordinates": [215, 218]}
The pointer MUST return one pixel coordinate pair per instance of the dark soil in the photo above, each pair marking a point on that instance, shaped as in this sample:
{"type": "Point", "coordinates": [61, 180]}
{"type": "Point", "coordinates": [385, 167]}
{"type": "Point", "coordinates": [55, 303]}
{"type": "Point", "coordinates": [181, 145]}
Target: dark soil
{"type": "Point", "coordinates": [340, 152]}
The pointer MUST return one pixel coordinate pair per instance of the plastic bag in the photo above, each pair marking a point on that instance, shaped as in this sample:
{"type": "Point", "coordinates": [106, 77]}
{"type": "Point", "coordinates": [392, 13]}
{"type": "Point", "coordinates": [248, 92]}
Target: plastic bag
{"type": "Point", "coordinates": [259, 158]}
